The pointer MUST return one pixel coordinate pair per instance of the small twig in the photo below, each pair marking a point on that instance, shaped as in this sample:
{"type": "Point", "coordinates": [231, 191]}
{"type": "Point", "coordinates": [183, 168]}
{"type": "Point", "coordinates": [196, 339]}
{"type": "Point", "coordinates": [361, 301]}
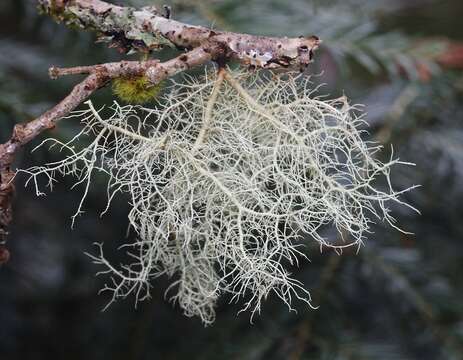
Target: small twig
{"type": "Point", "coordinates": [420, 303]}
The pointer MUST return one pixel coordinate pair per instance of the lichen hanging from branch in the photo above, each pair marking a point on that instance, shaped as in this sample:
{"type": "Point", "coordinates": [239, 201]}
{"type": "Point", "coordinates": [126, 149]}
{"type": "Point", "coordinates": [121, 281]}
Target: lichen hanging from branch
{"type": "Point", "coordinates": [228, 179]}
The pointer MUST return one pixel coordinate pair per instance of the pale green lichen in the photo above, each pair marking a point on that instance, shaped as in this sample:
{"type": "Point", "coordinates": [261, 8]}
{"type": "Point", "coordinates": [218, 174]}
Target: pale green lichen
{"type": "Point", "coordinates": [227, 182]}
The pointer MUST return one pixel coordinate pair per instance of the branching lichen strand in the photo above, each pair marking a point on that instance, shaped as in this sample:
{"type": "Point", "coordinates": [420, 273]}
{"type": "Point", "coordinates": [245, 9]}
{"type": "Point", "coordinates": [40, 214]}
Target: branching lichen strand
{"type": "Point", "coordinates": [223, 213]}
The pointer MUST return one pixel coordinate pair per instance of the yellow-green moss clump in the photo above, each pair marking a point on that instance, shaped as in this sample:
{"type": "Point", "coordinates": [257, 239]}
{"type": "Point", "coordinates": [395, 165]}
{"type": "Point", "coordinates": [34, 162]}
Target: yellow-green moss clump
{"type": "Point", "coordinates": [136, 89]}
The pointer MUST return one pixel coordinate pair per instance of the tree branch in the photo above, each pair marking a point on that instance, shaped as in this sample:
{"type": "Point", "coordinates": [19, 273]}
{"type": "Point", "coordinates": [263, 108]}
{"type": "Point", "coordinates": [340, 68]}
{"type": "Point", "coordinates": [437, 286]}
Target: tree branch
{"type": "Point", "coordinates": [154, 70]}
{"type": "Point", "coordinates": [148, 29]}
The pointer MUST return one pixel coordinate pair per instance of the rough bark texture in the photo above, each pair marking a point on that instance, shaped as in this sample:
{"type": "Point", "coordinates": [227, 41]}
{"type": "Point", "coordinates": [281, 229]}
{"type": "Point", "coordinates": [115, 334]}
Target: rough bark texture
{"type": "Point", "coordinates": [143, 30]}
{"type": "Point", "coordinates": [148, 29]}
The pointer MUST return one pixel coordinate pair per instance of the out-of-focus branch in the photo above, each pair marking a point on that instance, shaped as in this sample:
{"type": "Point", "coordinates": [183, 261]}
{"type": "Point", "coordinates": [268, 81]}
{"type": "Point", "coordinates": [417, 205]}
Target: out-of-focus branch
{"type": "Point", "coordinates": [154, 70]}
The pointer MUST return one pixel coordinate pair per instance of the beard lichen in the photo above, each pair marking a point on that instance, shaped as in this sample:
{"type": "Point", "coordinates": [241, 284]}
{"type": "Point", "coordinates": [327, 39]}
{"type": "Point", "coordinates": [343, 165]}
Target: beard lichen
{"type": "Point", "coordinates": [229, 177]}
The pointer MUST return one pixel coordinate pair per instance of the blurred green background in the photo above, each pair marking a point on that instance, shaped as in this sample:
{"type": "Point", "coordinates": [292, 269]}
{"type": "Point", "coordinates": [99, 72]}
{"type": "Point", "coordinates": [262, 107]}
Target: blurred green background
{"type": "Point", "coordinates": [398, 298]}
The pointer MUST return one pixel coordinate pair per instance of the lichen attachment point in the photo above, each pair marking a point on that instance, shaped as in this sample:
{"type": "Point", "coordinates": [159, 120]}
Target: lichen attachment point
{"type": "Point", "coordinates": [230, 176]}
{"type": "Point", "coordinates": [135, 89]}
